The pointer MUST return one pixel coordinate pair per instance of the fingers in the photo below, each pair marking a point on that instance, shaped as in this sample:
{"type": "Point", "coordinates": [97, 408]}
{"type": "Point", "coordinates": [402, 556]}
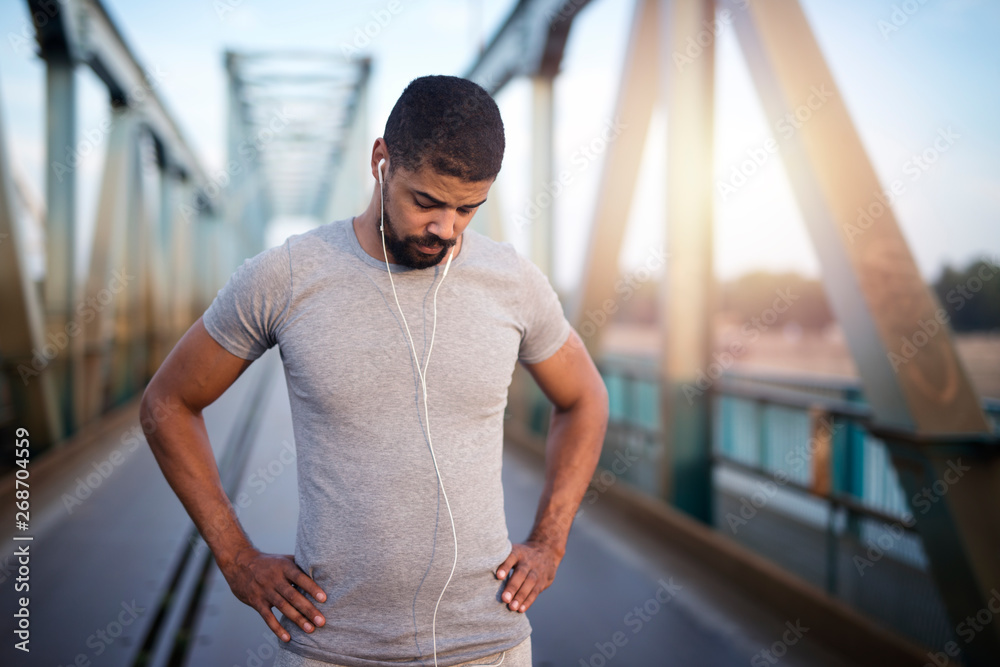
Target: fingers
{"type": "Point", "coordinates": [507, 564]}
{"type": "Point", "coordinates": [517, 577]}
{"type": "Point", "coordinates": [281, 597]}
{"type": "Point", "coordinates": [265, 581]}
{"type": "Point", "coordinates": [265, 612]}
{"type": "Point", "coordinates": [523, 607]}
{"type": "Point", "coordinates": [521, 584]}
{"type": "Point", "coordinates": [532, 568]}
{"type": "Point", "coordinates": [303, 581]}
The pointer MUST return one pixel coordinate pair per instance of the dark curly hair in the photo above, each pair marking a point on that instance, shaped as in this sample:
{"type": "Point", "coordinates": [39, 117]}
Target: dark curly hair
{"type": "Point", "coordinates": [448, 122]}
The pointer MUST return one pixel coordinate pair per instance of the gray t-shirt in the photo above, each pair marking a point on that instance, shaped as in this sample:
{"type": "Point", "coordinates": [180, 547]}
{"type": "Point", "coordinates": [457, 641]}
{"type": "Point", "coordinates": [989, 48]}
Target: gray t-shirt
{"type": "Point", "coordinates": [373, 528]}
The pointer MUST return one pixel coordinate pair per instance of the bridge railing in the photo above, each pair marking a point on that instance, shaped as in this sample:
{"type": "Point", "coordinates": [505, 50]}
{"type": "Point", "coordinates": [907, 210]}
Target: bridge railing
{"type": "Point", "coordinates": [797, 477]}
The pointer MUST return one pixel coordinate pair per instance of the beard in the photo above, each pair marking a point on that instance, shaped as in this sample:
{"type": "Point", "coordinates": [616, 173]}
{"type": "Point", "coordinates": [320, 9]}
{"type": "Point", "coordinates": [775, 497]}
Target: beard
{"type": "Point", "coordinates": [404, 249]}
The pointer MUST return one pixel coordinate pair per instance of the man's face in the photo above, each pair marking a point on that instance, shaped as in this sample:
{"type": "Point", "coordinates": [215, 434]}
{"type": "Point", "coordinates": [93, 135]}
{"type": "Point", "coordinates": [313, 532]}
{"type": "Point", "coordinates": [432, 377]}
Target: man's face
{"type": "Point", "coordinates": [426, 212]}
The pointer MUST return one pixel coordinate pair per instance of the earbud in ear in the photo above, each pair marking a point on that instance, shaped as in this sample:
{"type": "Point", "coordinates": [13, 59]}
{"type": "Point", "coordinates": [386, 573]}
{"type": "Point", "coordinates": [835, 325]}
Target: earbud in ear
{"type": "Point", "coordinates": [381, 208]}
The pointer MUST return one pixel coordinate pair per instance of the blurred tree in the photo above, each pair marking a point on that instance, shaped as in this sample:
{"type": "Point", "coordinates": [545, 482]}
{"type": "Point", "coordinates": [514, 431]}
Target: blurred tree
{"type": "Point", "coordinates": [971, 296]}
{"type": "Point", "coordinates": [750, 295]}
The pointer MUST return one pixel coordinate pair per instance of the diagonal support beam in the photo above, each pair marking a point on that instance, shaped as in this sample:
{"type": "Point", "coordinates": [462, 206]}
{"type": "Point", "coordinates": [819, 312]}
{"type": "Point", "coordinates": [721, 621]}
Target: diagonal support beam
{"type": "Point", "coordinates": [108, 256]}
{"type": "Point", "coordinates": [924, 405]}
{"type": "Point", "coordinates": [869, 272]}
{"type": "Point", "coordinates": [530, 42]}
{"type": "Point", "coordinates": [637, 96]}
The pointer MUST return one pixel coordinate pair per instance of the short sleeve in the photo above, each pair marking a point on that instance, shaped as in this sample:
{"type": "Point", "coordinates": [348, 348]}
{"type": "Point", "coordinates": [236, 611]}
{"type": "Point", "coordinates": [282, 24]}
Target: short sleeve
{"type": "Point", "coordinates": [545, 325]}
{"type": "Point", "coordinates": [247, 314]}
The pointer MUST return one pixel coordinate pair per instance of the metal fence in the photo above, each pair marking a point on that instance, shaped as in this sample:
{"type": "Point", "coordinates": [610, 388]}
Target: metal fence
{"type": "Point", "coordinates": [797, 478]}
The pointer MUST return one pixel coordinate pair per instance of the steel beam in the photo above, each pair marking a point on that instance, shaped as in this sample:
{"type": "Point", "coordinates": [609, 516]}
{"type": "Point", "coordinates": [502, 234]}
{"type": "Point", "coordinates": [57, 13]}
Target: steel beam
{"type": "Point", "coordinates": [127, 364]}
{"type": "Point", "coordinates": [97, 41]}
{"type": "Point", "coordinates": [870, 275]}
{"type": "Point", "coordinates": [637, 96]}
{"type": "Point", "coordinates": [71, 32]}
{"type": "Point", "coordinates": [687, 302]}
{"type": "Point", "coordinates": [60, 226]}
{"type": "Point", "coordinates": [923, 403]}
{"type": "Point", "coordinates": [310, 152]}
{"type": "Point", "coordinates": [22, 328]}
{"type": "Point", "coordinates": [344, 190]}
{"type": "Point", "coordinates": [489, 220]}
{"type": "Point", "coordinates": [107, 256]}
{"type": "Point", "coordinates": [530, 42]}
{"type": "Point", "coordinates": [181, 243]}
{"type": "Point", "coordinates": [165, 286]}
{"type": "Point", "coordinates": [542, 172]}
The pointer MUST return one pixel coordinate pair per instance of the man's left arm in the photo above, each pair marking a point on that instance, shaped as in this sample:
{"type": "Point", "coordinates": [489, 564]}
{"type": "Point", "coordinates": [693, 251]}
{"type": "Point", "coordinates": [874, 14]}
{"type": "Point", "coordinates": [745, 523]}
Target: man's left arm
{"type": "Point", "coordinates": [571, 381]}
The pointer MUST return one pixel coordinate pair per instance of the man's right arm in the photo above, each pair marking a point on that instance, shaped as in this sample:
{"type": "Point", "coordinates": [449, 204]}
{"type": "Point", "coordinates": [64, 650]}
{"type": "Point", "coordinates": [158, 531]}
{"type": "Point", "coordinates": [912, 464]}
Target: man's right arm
{"type": "Point", "coordinates": [195, 373]}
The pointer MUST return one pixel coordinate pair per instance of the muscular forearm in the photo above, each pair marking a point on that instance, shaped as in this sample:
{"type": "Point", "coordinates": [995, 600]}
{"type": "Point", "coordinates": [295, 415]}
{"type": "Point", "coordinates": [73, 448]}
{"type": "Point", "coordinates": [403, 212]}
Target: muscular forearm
{"type": "Point", "coordinates": [576, 434]}
{"type": "Point", "coordinates": [571, 454]}
{"type": "Point", "coordinates": [182, 449]}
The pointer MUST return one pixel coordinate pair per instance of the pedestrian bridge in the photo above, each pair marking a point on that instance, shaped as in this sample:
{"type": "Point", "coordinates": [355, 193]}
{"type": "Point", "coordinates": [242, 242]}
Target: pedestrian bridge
{"type": "Point", "coordinates": [741, 513]}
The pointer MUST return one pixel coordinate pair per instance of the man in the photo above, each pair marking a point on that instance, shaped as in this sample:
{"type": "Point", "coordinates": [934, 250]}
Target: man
{"type": "Point", "coordinates": [402, 554]}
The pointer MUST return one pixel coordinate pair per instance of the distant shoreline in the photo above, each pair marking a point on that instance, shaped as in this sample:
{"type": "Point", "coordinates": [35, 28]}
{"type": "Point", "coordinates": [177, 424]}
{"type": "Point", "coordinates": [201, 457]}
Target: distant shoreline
{"type": "Point", "coordinates": [810, 352]}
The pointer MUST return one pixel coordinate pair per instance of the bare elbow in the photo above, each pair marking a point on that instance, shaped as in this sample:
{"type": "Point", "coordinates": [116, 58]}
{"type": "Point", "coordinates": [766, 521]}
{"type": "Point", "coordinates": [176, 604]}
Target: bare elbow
{"type": "Point", "coordinates": [146, 403]}
{"type": "Point", "coordinates": [156, 407]}
{"type": "Point", "coordinates": [600, 398]}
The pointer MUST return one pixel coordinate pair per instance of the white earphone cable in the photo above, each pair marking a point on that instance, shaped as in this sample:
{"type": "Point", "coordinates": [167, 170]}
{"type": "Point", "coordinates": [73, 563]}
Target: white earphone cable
{"type": "Point", "coordinates": [423, 384]}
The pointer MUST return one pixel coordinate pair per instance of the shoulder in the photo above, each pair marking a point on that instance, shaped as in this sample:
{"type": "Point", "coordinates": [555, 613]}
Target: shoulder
{"type": "Point", "coordinates": [268, 264]}
{"type": "Point", "coordinates": [329, 235]}
{"type": "Point", "coordinates": [313, 248]}
{"type": "Point", "coordinates": [501, 258]}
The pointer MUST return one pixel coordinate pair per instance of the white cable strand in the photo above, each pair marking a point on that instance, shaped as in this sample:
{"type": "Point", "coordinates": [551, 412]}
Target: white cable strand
{"type": "Point", "coordinates": [423, 384]}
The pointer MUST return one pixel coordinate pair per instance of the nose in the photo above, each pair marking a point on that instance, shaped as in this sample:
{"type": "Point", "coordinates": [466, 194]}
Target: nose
{"type": "Point", "coordinates": [443, 225]}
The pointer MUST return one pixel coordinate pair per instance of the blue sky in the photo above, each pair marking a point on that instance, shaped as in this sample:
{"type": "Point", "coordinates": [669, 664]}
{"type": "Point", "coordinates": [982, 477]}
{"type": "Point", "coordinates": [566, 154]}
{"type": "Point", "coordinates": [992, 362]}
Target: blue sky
{"type": "Point", "coordinates": [940, 69]}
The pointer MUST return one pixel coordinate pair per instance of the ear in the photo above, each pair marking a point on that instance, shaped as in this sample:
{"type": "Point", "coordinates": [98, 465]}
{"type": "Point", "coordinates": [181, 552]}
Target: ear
{"type": "Point", "coordinates": [380, 154]}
